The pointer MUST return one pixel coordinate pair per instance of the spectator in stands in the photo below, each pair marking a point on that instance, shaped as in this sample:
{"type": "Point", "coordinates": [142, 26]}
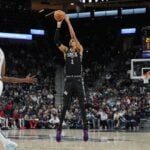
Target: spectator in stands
{"type": "Point", "coordinates": [54, 121]}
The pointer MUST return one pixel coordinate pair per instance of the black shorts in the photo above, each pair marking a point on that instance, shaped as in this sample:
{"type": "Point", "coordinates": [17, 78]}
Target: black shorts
{"type": "Point", "coordinates": [74, 86]}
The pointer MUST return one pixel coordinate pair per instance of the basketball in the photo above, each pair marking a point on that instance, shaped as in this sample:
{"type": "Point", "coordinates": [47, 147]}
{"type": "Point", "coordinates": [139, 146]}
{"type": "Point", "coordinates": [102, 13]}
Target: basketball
{"type": "Point", "coordinates": [59, 15]}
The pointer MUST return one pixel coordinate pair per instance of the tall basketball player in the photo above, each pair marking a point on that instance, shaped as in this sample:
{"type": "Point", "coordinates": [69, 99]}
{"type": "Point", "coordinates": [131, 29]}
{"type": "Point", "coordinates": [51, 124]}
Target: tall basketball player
{"type": "Point", "coordinates": [7, 143]}
{"type": "Point", "coordinates": [74, 85]}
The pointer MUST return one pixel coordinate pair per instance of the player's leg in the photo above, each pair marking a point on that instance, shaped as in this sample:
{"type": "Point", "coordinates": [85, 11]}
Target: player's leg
{"type": "Point", "coordinates": [83, 114]}
{"type": "Point", "coordinates": [66, 103]}
{"type": "Point", "coordinates": [81, 96]}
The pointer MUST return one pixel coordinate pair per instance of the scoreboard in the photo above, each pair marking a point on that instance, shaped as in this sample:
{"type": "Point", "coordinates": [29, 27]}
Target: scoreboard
{"type": "Point", "coordinates": [146, 42]}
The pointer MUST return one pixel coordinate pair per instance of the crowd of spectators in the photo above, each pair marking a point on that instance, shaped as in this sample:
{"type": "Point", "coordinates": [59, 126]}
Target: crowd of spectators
{"type": "Point", "coordinates": [22, 101]}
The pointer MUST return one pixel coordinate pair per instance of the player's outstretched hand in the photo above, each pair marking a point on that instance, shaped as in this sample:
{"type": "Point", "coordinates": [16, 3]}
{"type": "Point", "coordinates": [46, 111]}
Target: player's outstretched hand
{"type": "Point", "coordinates": [31, 79]}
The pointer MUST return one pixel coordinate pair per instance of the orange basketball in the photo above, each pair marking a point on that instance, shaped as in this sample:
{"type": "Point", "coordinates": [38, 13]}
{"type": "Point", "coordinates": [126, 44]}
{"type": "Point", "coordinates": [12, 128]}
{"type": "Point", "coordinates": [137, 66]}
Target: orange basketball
{"type": "Point", "coordinates": [59, 15]}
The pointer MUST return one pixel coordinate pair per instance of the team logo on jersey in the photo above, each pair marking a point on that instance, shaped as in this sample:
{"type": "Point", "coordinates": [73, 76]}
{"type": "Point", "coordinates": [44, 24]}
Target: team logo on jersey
{"type": "Point", "coordinates": [72, 54]}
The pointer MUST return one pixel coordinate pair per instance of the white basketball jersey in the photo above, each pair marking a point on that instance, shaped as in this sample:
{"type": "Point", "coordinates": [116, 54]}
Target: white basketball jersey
{"type": "Point", "coordinates": [2, 57]}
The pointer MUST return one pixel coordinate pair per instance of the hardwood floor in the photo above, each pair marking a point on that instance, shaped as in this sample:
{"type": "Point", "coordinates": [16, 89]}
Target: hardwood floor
{"type": "Point", "coordinates": [72, 140]}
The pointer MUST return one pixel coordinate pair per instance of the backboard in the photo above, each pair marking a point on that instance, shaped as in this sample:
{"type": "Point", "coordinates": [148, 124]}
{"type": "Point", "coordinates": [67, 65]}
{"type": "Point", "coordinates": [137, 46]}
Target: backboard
{"type": "Point", "coordinates": [139, 67]}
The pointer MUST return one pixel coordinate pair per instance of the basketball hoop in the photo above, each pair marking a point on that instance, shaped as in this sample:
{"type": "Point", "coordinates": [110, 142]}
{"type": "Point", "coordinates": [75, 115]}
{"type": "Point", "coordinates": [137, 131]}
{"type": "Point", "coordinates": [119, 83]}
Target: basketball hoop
{"type": "Point", "coordinates": [146, 77]}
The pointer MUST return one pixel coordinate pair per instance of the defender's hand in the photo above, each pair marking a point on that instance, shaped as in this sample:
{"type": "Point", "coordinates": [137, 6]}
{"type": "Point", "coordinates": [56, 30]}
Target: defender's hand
{"type": "Point", "coordinates": [31, 79]}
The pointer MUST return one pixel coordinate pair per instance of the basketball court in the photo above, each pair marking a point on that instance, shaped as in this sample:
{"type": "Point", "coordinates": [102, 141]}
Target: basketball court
{"type": "Point", "coordinates": [72, 140]}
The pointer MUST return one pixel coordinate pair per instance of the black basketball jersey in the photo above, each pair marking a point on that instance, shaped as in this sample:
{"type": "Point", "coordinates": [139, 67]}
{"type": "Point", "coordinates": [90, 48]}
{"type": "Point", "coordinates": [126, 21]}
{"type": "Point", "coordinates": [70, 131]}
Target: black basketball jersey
{"type": "Point", "coordinates": [73, 63]}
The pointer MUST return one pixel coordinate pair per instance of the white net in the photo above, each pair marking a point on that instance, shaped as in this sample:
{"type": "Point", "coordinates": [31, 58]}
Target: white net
{"type": "Point", "coordinates": [146, 78]}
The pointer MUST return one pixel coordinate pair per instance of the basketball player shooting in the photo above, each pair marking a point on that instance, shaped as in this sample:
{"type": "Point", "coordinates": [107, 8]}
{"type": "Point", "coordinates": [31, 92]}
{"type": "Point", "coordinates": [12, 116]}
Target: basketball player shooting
{"type": "Point", "coordinates": [7, 143]}
{"type": "Point", "coordinates": [74, 85]}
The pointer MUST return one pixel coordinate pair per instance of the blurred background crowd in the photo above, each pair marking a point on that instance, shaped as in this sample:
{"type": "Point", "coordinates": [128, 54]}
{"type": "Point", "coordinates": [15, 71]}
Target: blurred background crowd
{"type": "Point", "coordinates": [114, 101]}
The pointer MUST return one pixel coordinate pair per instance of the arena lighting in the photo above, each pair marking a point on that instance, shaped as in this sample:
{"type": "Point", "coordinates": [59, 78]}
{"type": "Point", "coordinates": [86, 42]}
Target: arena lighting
{"type": "Point", "coordinates": [111, 12]}
{"type": "Point", "coordinates": [108, 13]}
{"type": "Point", "coordinates": [83, 1]}
{"type": "Point", "coordinates": [84, 15]}
{"type": "Point", "coordinates": [72, 4]}
{"type": "Point", "coordinates": [105, 13]}
{"type": "Point", "coordinates": [99, 13]}
{"type": "Point", "coordinates": [126, 11]}
{"type": "Point", "coordinates": [37, 32]}
{"type": "Point", "coordinates": [73, 15]}
{"type": "Point", "coordinates": [133, 11]}
{"type": "Point", "coordinates": [16, 36]}
{"type": "Point", "coordinates": [139, 10]}
{"type": "Point", "coordinates": [128, 31]}
{"type": "Point", "coordinates": [92, 1]}
{"type": "Point", "coordinates": [79, 15]}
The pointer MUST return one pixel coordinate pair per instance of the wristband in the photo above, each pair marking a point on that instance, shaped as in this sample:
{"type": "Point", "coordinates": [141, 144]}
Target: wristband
{"type": "Point", "coordinates": [59, 24]}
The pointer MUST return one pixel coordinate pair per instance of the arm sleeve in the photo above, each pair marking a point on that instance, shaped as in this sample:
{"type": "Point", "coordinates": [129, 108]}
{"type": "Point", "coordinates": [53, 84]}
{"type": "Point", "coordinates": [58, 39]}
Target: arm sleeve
{"type": "Point", "coordinates": [57, 37]}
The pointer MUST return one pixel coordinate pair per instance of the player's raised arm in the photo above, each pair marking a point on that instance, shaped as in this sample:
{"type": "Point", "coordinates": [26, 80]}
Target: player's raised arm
{"type": "Point", "coordinates": [72, 34]}
{"type": "Point", "coordinates": [27, 79]}
{"type": "Point", "coordinates": [57, 41]}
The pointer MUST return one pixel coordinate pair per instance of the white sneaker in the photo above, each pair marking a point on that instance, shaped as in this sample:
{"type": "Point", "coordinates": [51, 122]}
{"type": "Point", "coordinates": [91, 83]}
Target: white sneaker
{"type": "Point", "coordinates": [10, 145]}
